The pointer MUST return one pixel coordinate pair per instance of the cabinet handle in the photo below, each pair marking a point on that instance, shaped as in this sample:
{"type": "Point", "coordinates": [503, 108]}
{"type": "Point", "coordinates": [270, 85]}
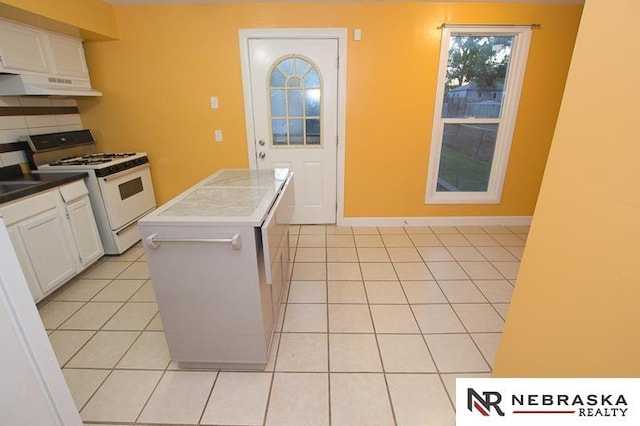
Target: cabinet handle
{"type": "Point", "coordinates": [153, 241]}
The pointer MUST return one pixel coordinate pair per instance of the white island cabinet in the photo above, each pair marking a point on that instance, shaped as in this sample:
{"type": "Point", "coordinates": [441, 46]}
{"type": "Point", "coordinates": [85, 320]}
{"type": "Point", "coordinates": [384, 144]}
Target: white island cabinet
{"type": "Point", "coordinates": [219, 261]}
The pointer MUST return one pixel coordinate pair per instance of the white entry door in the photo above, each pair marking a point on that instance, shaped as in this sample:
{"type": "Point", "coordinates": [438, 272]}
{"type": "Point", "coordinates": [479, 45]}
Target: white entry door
{"type": "Point", "coordinates": [294, 105]}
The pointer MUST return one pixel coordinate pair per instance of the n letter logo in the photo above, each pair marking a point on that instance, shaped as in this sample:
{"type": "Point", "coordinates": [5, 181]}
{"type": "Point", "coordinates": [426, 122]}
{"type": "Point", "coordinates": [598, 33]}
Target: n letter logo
{"type": "Point", "coordinates": [483, 404]}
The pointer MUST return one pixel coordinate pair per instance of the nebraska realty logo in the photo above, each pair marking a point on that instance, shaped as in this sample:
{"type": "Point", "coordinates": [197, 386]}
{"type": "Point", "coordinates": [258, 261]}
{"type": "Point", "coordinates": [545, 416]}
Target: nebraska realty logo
{"type": "Point", "coordinates": [556, 401]}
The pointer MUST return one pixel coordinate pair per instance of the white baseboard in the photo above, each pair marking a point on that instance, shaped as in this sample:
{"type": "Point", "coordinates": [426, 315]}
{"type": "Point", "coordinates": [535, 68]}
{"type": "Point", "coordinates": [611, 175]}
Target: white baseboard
{"type": "Point", "coordinates": [436, 221]}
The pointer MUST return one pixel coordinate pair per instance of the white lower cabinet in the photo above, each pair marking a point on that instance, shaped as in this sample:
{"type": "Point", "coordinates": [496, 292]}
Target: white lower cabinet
{"type": "Point", "coordinates": [83, 224]}
{"type": "Point", "coordinates": [54, 235]}
{"type": "Point", "coordinates": [48, 248]}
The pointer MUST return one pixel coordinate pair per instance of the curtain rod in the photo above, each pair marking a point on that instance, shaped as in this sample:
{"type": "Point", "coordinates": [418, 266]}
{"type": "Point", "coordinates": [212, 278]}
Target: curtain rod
{"type": "Point", "coordinates": [533, 26]}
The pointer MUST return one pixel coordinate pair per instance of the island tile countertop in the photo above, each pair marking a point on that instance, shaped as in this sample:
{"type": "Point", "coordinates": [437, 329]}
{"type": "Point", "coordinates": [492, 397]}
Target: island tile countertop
{"type": "Point", "coordinates": [229, 196]}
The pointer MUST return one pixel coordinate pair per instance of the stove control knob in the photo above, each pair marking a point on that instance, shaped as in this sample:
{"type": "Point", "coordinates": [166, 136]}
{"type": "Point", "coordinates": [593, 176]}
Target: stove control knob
{"type": "Point", "coordinates": [261, 155]}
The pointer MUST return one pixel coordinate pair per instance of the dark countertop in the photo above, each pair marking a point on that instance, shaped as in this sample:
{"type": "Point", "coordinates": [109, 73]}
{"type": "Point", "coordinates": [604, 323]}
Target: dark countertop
{"type": "Point", "coordinates": [14, 186]}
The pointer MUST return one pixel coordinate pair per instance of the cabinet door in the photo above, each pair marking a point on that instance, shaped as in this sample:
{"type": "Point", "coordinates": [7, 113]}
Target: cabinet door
{"type": "Point", "coordinates": [68, 57]}
{"type": "Point", "coordinates": [22, 49]}
{"type": "Point", "coordinates": [25, 262]}
{"type": "Point", "coordinates": [85, 232]}
{"type": "Point", "coordinates": [48, 248]}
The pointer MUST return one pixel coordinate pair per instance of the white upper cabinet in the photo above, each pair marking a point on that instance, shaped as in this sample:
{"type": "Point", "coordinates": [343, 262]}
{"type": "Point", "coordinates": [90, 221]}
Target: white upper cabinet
{"type": "Point", "coordinates": [23, 49]}
{"type": "Point", "coordinates": [29, 50]}
{"type": "Point", "coordinates": [68, 57]}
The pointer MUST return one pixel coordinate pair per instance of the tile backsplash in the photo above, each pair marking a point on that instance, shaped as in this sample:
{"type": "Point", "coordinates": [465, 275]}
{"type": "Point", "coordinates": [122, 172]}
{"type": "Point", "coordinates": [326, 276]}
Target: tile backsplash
{"type": "Point", "coordinates": [40, 115]}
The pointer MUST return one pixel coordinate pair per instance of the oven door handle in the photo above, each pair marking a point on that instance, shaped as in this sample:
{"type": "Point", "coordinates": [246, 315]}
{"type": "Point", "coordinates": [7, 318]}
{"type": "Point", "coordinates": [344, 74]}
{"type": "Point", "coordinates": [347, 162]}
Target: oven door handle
{"type": "Point", "coordinates": [124, 172]}
{"type": "Point", "coordinates": [153, 241]}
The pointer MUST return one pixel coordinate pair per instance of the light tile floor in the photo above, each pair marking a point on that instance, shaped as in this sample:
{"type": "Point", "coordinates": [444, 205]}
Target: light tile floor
{"type": "Point", "coordinates": [377, 325]}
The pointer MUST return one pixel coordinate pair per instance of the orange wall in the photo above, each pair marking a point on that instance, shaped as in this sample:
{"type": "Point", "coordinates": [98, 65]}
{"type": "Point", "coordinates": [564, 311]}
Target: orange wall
{"type": "Point", "coordinates": [575, 308]}
{"type": "Point", "coordinates": [157, 80]}
{"type": "Point", "coordinates": [89, 19]}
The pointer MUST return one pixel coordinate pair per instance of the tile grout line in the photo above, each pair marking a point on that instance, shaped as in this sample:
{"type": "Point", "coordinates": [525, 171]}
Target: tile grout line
{"type": "Point", "coordinates": [373, 324]}
{"type": "Point", "coordinates": [326, 254]}
{"type": "Point", "coordinates": [149, 397]}
{"type": "Point", "coordinates": [206, 403]}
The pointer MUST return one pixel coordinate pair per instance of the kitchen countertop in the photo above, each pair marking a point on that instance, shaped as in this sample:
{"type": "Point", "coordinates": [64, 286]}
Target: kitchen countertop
{"type": "Point", "coordinates": [229, 196]}
{"type": "Point", "coordinates": [14, 186]}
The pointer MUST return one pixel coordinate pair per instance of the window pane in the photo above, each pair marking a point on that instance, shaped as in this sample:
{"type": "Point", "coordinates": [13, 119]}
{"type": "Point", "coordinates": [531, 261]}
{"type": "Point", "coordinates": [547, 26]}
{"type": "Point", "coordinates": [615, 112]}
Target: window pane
{"type": "Point", "coordinates": [278, 104]}
{"type": "Point", "coordinates": [276, 79]}
{"type": "Point", "coordinates": [466, 156]}
{"type": "Point", "coordinates": [294, 98]}
{"type": "Point", "coordinates": [302, 66]}
{"type": "Point", "coordinates": [295, 102]}
{"type": "Point", "coordinates": [294, 82]}
{"type": "Point", "coordinates": [279, 132]}
{"type": "Point", "coordinates": [312, 131]}
{"type": "Point", "coordinates": [476, 76]}
{"type": "Point", "coordinates": [286, 66]}
{"type": "Point", "coordinates": [296, 137]}
{"type": "Point", "coordinates": [312, 79]}
{"type": "Point", "coordinates": [312, 103]}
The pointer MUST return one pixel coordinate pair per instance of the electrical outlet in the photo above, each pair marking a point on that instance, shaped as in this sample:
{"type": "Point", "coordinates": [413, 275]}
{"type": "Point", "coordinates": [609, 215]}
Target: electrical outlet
{"type": "Point", "coordinates": [217, 135]}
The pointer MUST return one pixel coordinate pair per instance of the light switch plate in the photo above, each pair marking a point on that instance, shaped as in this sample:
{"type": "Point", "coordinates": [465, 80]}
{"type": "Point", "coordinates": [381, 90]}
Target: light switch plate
{"type": "Point", "coordinates": [214, 102]}
{"type": "Point", "coordinates": [217, 134]}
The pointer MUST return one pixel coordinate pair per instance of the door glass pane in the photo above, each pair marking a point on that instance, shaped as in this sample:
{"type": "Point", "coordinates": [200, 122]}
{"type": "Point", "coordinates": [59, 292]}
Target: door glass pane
{"type": "Point", "coordinates": [295, 103]}
{"type": "Point", "coordinates": [466, 157]}
{"type": "Point", "coordinates": [476, 76]}
{"type": "Point", "coordinates": [302, 66]}
{"type": "Point", "coordinates": [277, 79]}
{"type": "Point", "coordinates": [286, 66]}
{"type": "Point", "coordinates": [312, 103]}
{"type": "Point", "coordinates": [294, 82]}
{"type": "Point", "coordinates": [279, 132]}
{"type": "Point", "coordinates": [278, 104]}
{"type": "Point", "coordinates": [296, 136]}
{"type": "Point", "coordinates": [312, 131]}
{"type": "Point", "coordinates": [312, 79]}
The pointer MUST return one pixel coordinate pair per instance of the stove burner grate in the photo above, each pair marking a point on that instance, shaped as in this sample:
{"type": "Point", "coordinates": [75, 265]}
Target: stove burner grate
{"type": "Point", "coordinates": [91, 159]}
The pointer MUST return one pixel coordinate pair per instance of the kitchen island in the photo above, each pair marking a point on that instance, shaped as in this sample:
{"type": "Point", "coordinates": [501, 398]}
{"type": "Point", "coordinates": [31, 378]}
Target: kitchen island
{"type": "Point", "coordinates": [219, 261]}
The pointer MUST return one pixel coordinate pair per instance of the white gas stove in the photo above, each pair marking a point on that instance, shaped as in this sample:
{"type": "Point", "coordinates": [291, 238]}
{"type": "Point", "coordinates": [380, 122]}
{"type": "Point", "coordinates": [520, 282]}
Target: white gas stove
{"type": "Point", "coordinates": [119, 184]}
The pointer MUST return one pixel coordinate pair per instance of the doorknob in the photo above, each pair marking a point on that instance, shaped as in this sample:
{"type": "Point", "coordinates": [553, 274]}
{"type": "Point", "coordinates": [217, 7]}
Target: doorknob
{"type": "Point", "coordinates": [261, 155]}
{"type": "Point", "coordinates": [261, 142]}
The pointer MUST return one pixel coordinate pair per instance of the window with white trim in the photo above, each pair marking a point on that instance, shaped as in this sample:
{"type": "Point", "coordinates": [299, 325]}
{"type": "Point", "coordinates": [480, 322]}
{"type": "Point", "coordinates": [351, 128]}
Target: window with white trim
{"type": "Point", "coordinates": [479, 82]}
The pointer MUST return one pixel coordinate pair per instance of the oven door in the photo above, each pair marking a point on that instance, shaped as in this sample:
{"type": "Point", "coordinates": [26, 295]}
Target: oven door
{"type": "Point", "coordinates": [127, 195]}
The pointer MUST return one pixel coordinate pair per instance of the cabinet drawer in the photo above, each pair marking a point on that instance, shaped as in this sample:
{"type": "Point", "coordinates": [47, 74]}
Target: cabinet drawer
{"type": "Point", "coordinates": [73, 191]}
{"type": "Point", "coordinates": [28, 207]}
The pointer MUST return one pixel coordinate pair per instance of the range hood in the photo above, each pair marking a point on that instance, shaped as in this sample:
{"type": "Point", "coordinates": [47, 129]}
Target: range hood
{"type": "Point", "coordinates": [29, 85]}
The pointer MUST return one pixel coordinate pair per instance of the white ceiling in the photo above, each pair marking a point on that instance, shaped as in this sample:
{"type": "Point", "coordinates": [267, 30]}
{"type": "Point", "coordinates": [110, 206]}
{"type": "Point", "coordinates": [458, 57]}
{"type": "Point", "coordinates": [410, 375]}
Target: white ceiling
{"type": "Point", "coordinates": [118, 2]}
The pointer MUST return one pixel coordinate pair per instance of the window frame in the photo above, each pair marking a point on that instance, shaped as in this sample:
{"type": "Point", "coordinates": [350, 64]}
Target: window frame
{"type": "Point", "coordinates": [506, 121]}
{"type": "Point", "coordinates": [320, 117]}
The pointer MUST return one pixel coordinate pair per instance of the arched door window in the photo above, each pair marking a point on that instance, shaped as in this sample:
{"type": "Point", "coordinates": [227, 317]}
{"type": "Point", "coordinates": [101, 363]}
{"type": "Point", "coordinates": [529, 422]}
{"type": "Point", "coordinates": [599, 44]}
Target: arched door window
{"type": "Point", "coordinates": [295, 112]}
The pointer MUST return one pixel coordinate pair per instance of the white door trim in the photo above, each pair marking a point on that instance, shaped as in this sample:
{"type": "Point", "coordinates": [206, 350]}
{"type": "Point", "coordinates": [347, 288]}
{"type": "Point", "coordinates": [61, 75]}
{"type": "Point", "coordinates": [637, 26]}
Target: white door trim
{"type": "Point", "coordinates": [340, 34]}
